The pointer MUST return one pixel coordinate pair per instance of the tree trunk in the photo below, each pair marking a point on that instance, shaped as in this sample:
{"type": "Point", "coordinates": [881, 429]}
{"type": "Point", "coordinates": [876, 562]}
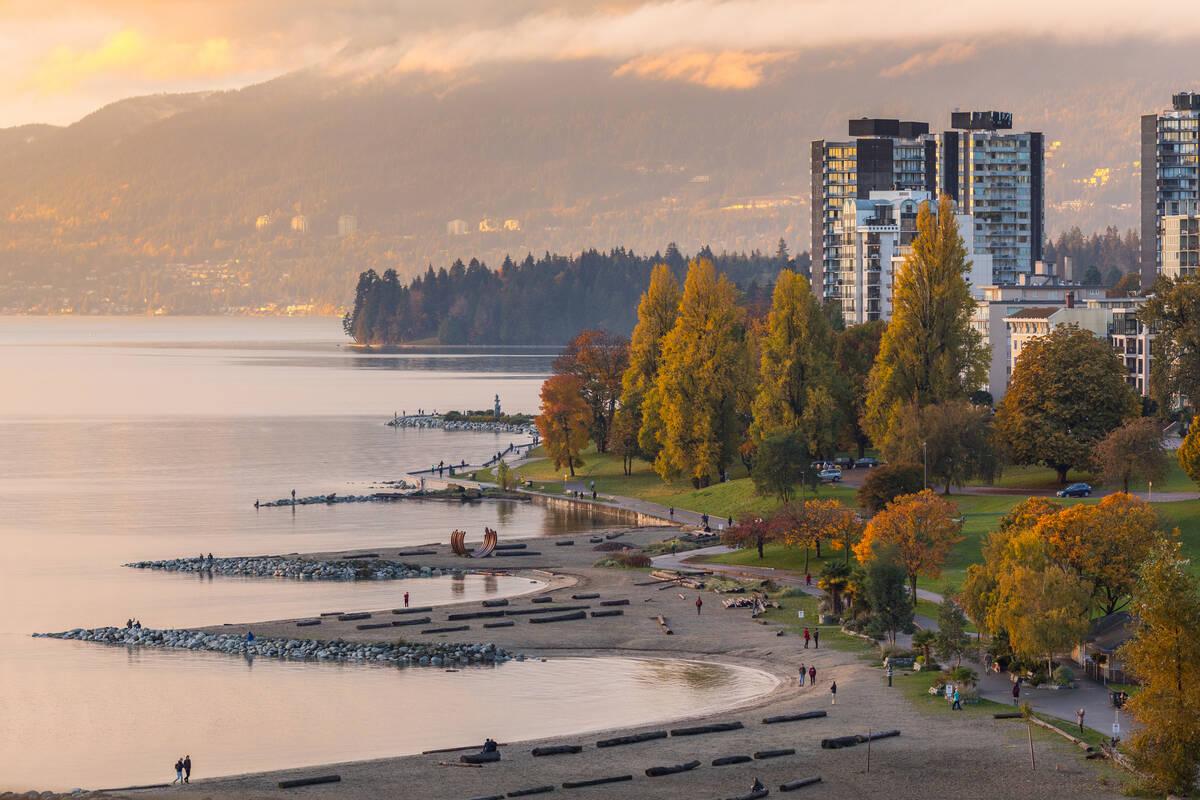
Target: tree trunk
{"type": "Point", "coordinates": [760, 547]}
{"type": "Point", "coordinates": [818, 548]}
{"type": "Point", "coordinates": [1062, 472]}
{"type": "Point", "coordinates": [913, 580]}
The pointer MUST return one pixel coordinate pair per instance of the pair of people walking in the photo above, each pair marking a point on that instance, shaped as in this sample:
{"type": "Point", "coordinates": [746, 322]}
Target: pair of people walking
{"type": "Point", "coordinates": [814, 635]}
{"type": "Point", "coordinates": [183, 770]}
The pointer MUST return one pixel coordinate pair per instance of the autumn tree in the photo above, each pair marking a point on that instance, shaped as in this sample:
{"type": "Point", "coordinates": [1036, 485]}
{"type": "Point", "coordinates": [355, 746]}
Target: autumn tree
{"type": "Point", "coordinates": [781, 461]}
{"type": "Point", "coordinates": [953, 439]}
{"type": "Point", "coordinates": [1042, 606]}
{"type": "Point", "coordinates": [1165, 655]}
{"type": "Point", "coordinates": [1134, 450]}
{"type": "Point", "coordinates": [1067, 392]}
{"type": "Point", "coordinates": [1189, 452]}
{"type": "Point", "coordinates": [751, 530]}
{"type": "Point", "coordinates": [855, 351]}
{"type": "Point", "coordinates": [565, 420]}
{"type": "Point", "coordinates": [809, 523]}
{"type": "Point", "coordinates": [657, 311]}
{"type": "Point", "coordinates": [922, 527]}
{"type": "Point", "coordinates": [796, 369]}
{"type": "Point", "coordinates": [623, 439]}
{"type": "Point", "coordinates": [1104, 544]}
{"type": "Point", "coordinates": [1173, 311]}
{"type": "Point", "coordinates": [599, 359]}
{"type": "Point", "coordinates": [703, 380]}
{"type": "Point", "coordinates": [929, 352]}
{"type": "Point", "coordinates": [884, 484]}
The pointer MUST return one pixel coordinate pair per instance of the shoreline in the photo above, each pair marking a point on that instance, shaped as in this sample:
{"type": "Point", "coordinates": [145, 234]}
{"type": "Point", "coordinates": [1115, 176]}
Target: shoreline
{"type": "Point", "coordinates": [936, 758]}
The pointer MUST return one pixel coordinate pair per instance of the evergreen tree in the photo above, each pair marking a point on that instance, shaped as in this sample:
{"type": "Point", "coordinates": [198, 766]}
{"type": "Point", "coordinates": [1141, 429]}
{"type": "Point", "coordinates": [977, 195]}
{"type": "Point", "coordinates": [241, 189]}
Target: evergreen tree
{"type": "Point", "coordinates": [929, 353]}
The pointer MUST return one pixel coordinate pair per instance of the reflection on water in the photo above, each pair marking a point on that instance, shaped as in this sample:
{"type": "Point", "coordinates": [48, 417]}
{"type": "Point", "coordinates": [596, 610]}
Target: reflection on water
{"type": "Point", "coordinates": [131, 439]}
{"type": "Point", "coordinates": [234, 715]}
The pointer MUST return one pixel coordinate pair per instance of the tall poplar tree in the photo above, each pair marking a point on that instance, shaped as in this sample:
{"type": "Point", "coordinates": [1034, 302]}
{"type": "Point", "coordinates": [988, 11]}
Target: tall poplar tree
{"type": "Point", "coordinates": [796, 371]}
{"type": "Point", "coordinates": [929, 352]}
{"type": "Point", "coordinates": [657, 312]}
{"type": "Point", "coordinates": [702, 380]}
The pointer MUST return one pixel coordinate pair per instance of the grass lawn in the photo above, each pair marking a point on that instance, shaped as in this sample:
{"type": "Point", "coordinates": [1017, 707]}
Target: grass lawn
{"type": "Point", "coordinates": [776, 556]}
{"type": "Point", "coordinates": [1035, 478]}
{"type": "Point", "coordinates": [831, 635]}
{"type": "Point", "coordinates": [732, 498]}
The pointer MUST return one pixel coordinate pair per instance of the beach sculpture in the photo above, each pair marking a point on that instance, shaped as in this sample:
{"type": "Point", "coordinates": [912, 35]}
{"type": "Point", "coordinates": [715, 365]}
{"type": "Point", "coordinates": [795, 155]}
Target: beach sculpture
{"type": "Point", "coordinates": [459, 545]}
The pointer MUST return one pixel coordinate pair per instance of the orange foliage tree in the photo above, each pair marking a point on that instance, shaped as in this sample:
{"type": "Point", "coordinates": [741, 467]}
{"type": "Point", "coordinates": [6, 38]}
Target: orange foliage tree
{"type": "Point", "coordinates": [923, 529]}
{"type": "Point", "coordinates": [812, 522]}
{"type": "Point", "coordinates": [749, 531]}
{"type": "Point", "coordinates": [564, 421]}
{"type": "Point", "coordinates": [1104, 544]}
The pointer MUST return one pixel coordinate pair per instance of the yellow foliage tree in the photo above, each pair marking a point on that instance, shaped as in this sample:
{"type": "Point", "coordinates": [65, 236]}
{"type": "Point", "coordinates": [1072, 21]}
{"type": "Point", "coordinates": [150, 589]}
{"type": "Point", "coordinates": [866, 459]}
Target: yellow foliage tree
{"type": "Point", "coordinates": [809, 523]}
{"type": "Point", "coordinates": [1165, 655]}
{"type": "Point", "coordinates": [704, 380]}
{"type": "Point", "coordinates": [657, 311]}
{"type": "Point", "coordinates": [922, 527]}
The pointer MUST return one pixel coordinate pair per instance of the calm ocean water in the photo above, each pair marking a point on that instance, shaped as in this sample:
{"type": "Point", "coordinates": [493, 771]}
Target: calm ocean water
{"type": "Point", "coordinates": [125, 439]}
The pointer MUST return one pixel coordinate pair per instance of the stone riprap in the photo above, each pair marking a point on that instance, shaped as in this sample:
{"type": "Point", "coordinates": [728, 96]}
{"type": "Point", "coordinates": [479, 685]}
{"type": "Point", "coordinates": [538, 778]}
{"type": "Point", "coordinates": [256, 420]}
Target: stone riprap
{"type": "Point", "coordinates": [430, 421]}
{"type": "Point", "coordinates": [336, 499]}
{"type": "Point", "coordinates": [434, 654]}
{"type": "Point", "coordinates": [299, 568]}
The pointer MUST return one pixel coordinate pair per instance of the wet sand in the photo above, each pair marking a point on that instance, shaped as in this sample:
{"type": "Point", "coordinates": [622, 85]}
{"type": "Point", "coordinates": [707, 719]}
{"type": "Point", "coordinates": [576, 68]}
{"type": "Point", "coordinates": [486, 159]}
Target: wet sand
{"type": "Point", "coordinates": [939, 756]}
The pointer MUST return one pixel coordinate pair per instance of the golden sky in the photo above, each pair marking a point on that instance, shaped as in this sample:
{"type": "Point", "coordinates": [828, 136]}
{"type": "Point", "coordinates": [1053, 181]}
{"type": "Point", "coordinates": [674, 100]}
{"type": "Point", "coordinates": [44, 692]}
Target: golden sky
{"type": "Point", "coordinates": [60, 59]}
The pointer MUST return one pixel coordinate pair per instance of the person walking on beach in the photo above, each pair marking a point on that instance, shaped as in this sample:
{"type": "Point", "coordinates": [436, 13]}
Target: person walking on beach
{"type": "Point", "coordinates": [807, 637]}
{"type": "Point", "coordinates": [671, 512]}
{"type": "Point", "coordinates": [833, 692]}
{"type": "Point", "coordinates": [803, 672]}
{"type": "Point", "coordinates": [957, 698]}
{"type": "Point", "coordinates": [187, 769]}
{"type": "Point", "coordinates": [812, 676]}
{"type": "Point", "coordinates": [816, 638]}
{"type": "Point", "coordinates": [699, 605]}
{"type": "Point", "coordinates": [178, 771]}
{"type": "Point", "coordinates": [406, 599]}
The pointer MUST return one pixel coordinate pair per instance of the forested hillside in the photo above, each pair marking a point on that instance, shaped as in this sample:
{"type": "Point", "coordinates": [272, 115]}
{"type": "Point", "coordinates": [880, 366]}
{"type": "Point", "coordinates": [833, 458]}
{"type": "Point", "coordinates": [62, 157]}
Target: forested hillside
{"type": "Point", "coordinates": [535, 301]}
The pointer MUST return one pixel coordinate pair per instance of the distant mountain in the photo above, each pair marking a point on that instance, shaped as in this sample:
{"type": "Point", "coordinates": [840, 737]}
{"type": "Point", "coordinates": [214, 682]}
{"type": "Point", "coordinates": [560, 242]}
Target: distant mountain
{"type": "Point", "coordinates": [156, 201]}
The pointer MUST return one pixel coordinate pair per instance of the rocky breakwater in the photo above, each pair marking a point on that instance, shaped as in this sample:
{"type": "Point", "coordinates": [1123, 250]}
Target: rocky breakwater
{"type": "Point", "coordinates": [401, 654]}
{"type": "Point", "coordinates": [461, 425]}
{"type": "Point", "coordinates": [373, 569]}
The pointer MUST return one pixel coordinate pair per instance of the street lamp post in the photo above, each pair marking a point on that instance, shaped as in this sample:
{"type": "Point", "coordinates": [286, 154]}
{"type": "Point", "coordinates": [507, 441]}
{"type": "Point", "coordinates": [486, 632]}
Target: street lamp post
{"type": "Point", "coordinates": [1150, 498]}
{"type": "Point", "coordinates": [925, 461]}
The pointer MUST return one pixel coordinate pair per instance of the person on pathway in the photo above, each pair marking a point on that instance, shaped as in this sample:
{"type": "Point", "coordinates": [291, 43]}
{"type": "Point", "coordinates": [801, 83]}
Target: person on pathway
{"type": "Point", "coordinates": [406, 599]}
{"type": "Point", "coordinates": [178, 771]}
{"type": "Point", "coordinates": [803, 672]}
{"type": "Point", "coordinates": [699, 605]}
{"type": "Point", "coordinates": [957, 705]}
{"type": "Point", "coordinates": [671, 512]}
{"type": "Point", "coordinates": [812, 675]}
{"type": "Point", "coordinates": [249, 637]}
{"type": "Point", "coordinates": [293, 497]}
{"type": "Point", "coordinates": [730, 522]}
{"type": "Point", "coordinates": [807, 636]}
{"type": "Point", "coordinates": [808, 579]}
{"type": "Point", "coordinates": [187, 769]}
{"type": "Point", "coordinates": [833, 692]}
{"type": "Point", "coordinates": [1079, 718]}
{"type": "Point", "coordinates": [816, 638]}
{"type": "Point", "coordinates": [889, 675]}
{"type": "Point", "coordinates": [1016, 692]}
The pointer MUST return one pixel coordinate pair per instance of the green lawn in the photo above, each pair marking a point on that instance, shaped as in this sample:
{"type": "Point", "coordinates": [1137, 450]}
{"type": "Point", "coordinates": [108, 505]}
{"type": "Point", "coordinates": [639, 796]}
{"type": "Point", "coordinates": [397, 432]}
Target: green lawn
{"type": "Point", "coordinates": [1034, 478]}
{"type": "Point", "coordinates": [982, 513]}
{"type": "Point", "coordinates": [831, 635]}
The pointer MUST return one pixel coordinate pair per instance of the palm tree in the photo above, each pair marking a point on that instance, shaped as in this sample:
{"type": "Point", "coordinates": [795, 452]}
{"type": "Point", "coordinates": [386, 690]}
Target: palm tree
{"type": "Point", "coordinates": [835, 577]}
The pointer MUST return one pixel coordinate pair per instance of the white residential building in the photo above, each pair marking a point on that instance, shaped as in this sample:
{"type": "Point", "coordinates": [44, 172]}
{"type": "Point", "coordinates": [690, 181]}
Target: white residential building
{"type": "Point", "coordinates": [457, 227]}
{"type": "Point", "coordinates": [874, 237]}
{"type": "Point", "coordinates": [1180, 245]}
{"type": "Point", "coordinates": [347, 225]}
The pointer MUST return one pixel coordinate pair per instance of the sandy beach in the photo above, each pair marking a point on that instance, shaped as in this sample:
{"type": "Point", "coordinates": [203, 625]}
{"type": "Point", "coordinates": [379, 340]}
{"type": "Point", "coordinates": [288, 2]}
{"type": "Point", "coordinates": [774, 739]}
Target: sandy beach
{"type": "Point", "coordinates": [936, 755]}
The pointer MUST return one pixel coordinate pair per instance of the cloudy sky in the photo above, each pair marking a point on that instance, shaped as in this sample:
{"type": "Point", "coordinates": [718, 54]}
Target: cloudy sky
{"type": "Point", "coordinates": [60, 59]}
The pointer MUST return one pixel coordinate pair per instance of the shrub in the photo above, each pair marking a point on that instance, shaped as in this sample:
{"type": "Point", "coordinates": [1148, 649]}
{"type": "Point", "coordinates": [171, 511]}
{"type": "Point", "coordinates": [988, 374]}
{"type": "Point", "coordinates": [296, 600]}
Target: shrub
{"type": "Point", "coordinates": [632, 559]}
{"type": "Point", "coordinates": [963, 675]}
{"type": "Point", "coordinates": [884, 484]}
{"type": "Point", "coordinates": [1063, 676]}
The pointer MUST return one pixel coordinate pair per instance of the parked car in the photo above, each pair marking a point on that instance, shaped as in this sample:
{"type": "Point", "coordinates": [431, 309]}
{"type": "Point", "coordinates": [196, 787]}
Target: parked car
{"type": "Point", "coordinates": [866, 463]}
{"type": "Point", "coordinates": [844, 462]}
{"type": "Point", "coordinates": [1076, 490]}
{"type": "Point", "coordinates": [831, 475]}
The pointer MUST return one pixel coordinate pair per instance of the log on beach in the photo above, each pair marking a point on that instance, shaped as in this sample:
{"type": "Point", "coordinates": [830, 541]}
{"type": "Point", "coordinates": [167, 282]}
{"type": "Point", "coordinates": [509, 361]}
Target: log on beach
{"type": "Point", "coordinates": [293, 783]}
